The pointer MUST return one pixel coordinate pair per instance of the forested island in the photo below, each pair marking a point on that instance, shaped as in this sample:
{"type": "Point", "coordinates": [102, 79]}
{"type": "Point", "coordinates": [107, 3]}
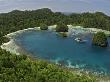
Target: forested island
{"type": "Point", "coordinates": [21, 68]}
{"type": "Point", "coordinates": [100, 39]}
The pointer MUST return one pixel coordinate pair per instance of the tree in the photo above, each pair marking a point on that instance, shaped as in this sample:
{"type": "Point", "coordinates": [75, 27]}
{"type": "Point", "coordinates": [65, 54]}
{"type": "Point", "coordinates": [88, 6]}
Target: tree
{"type": "Point", "coordinates": [100, 39]}
{"type": "Point", "coordinates": [44, 27]}
{"type": "Point", "coordinates": [62, 28]}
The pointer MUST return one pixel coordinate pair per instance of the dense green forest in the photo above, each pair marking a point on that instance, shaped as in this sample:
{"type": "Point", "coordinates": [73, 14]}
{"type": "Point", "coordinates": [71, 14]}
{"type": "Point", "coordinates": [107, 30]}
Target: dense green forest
{"type": "Point", "coordinates": [16, 19]}
{"type": "Point", "coordinates": [21, 68]}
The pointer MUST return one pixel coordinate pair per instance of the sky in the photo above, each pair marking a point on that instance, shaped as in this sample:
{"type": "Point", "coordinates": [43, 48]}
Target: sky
{"type": "Point", "coordinates": [76, 6]}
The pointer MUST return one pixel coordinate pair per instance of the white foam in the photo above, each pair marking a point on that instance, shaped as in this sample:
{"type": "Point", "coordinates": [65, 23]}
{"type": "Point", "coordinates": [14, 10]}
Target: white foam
{"type": "Point", "coordinates": [11, 47]}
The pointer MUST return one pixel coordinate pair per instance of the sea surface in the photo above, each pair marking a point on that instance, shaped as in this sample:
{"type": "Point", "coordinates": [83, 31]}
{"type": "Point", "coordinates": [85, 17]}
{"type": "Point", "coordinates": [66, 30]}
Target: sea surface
{"type": "Point", "coordinates": [50, 46]}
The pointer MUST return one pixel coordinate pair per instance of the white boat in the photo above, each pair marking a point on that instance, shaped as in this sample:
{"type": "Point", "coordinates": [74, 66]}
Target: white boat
{"type": "Point", "coordinates": [80, 40]}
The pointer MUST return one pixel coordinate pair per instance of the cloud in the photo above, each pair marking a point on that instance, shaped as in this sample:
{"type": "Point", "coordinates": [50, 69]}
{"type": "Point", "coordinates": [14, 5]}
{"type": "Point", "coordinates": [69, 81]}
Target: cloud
{"type": "Point", "coordinates": [85, 0]}
{"type": "Point", "coordinates": [57, 5]}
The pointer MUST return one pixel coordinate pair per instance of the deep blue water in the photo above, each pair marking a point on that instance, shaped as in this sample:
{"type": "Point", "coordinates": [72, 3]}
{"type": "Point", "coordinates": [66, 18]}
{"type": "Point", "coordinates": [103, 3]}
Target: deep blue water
{"type": "Point", "coordinates": [50, 46]}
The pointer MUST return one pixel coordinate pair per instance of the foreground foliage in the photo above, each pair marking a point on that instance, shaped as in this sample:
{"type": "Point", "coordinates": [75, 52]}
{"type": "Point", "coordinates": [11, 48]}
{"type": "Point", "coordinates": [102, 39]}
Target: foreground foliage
{"type": "Point", "coordinates": [20, 68]}
{"type": "Point", "coordinates": [100, 39]}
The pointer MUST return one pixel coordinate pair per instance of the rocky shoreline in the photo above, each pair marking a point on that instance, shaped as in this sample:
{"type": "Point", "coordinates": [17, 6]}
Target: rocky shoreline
{"type": "Point", "coordinates": [74, 30]}
{"type": "Point", "coordinates": [14, 47]}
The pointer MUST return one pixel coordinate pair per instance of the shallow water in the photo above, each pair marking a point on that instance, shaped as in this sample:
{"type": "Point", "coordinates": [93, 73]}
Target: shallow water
{"type": "Point", "coordinates": [66, 51]}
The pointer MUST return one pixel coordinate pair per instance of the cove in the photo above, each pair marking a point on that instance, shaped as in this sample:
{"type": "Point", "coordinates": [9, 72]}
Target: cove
{"type": "Point", "coordinates": [52, 47]}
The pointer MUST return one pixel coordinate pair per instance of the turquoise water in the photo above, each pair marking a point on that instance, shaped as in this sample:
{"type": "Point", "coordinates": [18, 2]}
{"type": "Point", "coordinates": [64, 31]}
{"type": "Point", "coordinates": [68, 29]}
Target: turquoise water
{"type": "Point", "coordinates": [66, 51]}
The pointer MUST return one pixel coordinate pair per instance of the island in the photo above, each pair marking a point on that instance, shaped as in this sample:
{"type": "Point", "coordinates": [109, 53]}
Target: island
{"type": "Point", "coordinates": [43, 27]}
{"type": "Point", "coordinates": [100, 39]}
{"type": "Point", "coordinates": [62, 29]}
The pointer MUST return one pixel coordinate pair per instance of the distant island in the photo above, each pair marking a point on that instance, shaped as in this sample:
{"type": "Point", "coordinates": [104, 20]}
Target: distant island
{"type": "Point", "coordinates": [23, 68]}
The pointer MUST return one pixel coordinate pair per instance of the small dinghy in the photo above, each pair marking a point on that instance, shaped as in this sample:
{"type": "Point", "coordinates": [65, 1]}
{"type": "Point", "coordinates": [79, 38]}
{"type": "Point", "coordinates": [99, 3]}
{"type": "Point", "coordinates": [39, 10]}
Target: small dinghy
{"type": "Point", "coordinates": [80, 40]}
